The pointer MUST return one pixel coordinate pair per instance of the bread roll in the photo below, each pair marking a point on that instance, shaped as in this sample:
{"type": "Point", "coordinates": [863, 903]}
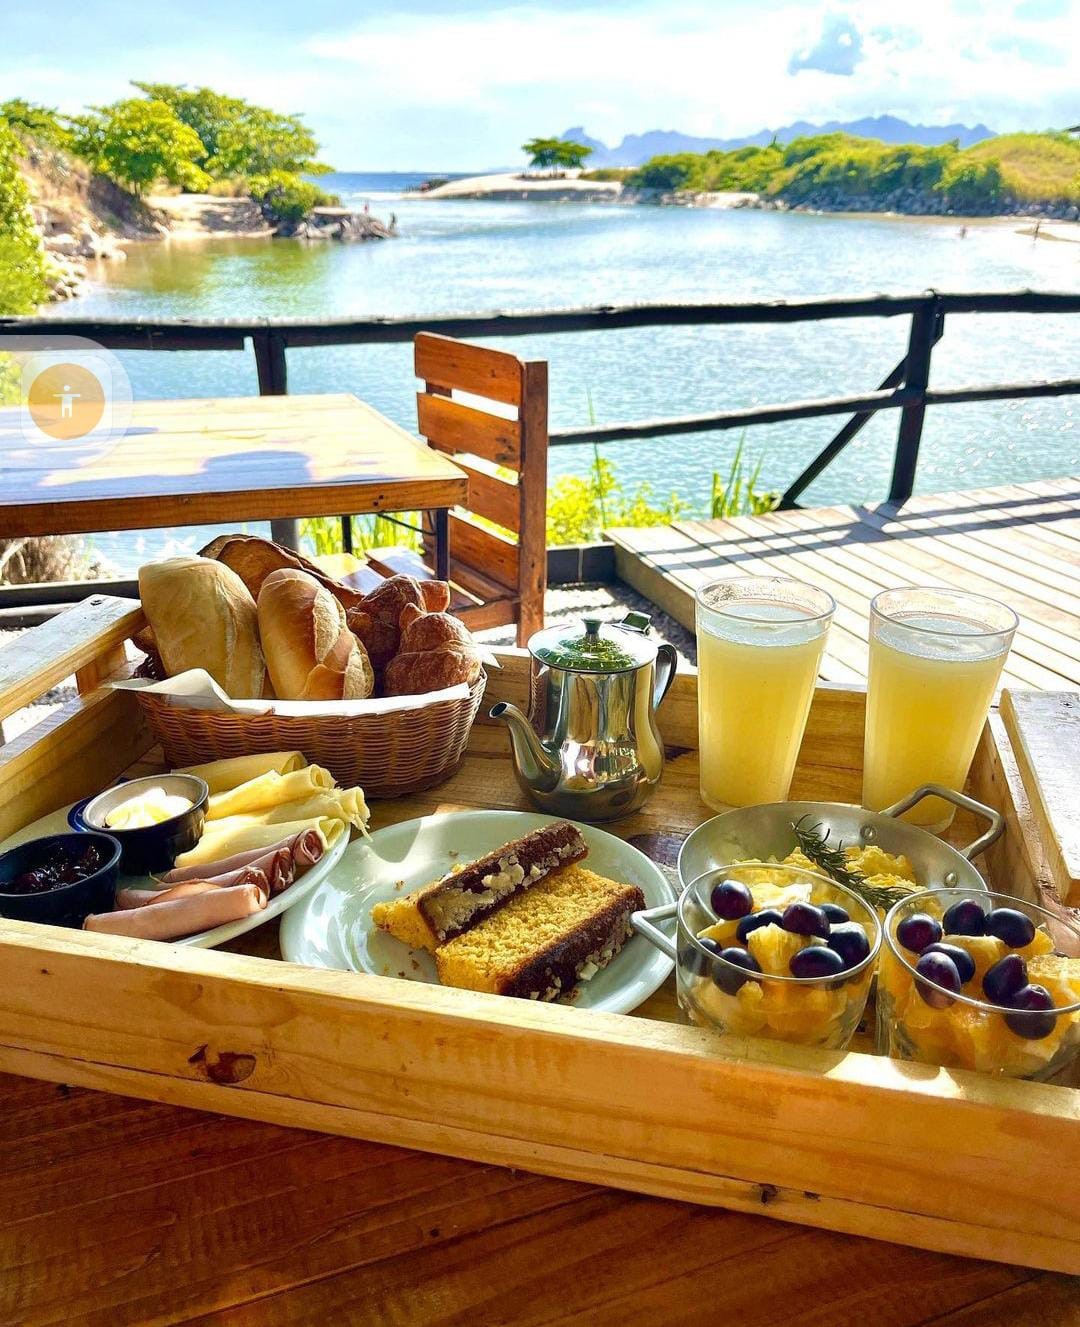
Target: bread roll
{"type": "Point", "coordinates": [310, 652]}
{"type": "Point", "coordinates": [202, 616]}
{"type": "Point", "coordinates": [437, 651]}
{"type": "Point", "coordinates": [377, 618]}
{"type": "Point", "coordinates": [254, 558]}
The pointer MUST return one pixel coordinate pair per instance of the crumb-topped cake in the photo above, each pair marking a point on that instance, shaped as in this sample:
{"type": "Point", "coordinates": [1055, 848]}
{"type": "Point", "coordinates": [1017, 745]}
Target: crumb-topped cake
{"type": "Point", "coordinates": [542, 942]}
{"type": "Point", "coordinates": [436, 913]}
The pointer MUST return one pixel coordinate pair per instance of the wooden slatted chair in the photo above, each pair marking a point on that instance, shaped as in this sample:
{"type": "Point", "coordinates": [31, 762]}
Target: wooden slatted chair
{"type": "Point", "coordinates": [498, 576]}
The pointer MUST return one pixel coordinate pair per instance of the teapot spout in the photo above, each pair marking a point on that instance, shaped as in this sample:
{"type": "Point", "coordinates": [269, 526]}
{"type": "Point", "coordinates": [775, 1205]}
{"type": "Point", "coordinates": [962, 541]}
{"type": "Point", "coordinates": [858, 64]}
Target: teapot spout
{"type": "Point", "coordinates": [535, 767]}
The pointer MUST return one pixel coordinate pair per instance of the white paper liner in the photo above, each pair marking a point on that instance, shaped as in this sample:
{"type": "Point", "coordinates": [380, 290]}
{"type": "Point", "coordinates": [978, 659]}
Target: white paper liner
{"type": "Point", "coordinates": [197, 690]}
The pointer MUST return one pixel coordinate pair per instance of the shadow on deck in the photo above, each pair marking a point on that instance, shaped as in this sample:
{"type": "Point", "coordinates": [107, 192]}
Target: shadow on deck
{"type": "Point", "coordinates": [1019, 543]}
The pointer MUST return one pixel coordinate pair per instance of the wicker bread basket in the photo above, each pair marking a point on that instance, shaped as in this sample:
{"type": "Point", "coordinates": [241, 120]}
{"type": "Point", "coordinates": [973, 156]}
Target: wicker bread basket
{"type": "Point", "coordinates": [388, 754]}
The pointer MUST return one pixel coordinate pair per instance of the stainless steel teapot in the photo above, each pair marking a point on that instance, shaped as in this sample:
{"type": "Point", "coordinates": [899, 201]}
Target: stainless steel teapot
{"type": "Point", "coordinates": [590, 748]}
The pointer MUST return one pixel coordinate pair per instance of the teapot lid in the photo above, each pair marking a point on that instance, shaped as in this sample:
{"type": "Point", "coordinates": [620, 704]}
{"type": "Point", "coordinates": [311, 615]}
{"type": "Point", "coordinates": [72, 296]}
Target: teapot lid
{"type": "Point", "coordinates": [593, 646]}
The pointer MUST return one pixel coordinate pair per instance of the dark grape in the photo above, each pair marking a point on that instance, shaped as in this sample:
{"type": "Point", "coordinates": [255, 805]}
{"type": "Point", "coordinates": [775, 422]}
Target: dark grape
{"type": "Point", "coordinates": [965, 964]}
{"type": "Point", "coordinates": [941, 970]}
{"type": "Point", "coordinates": [918, 931]}
{"type": "Point", "coordinates": [816, 961]}
{"type": "Point", "coordinates": [692, 961]}
{"type": "Point", "coordinates": [1034, 1023]}
{"type": "Point", "coordinates": [835, 913]}
{"type": "Point", "coordinates": [729, 978]}
{"type": "Point", "coordinates": [805, 919]}
{"type": "Point", "coordinates": [850, 942]}
{"type": "Point", "coordinates": [1004, 979]}
{"type": "Point", "coordinates": [1012, 926]}
{"type": "Point", "coordinates": [731, 900]}
{"type": "Point", "coordinates": [964, 918]}
{"type": "Point", "coordinates": [766, 917]}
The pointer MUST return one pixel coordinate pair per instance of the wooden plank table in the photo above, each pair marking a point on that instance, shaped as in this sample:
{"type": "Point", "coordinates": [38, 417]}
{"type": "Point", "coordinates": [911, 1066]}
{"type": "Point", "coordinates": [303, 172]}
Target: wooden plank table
{"type": "Point", "coordinates": [1016, 542]}
{"type": "Point", "coordinates": [204, 462]}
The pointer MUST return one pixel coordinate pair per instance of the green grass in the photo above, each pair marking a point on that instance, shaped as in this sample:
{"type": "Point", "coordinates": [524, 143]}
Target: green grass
{"type": "Point", "coordinates": [1034, 167]}
{"type": "Point", "coordinates": [986, 178]}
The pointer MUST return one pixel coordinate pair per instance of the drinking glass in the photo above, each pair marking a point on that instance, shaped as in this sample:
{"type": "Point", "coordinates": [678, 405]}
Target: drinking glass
{"type": "Point", "coordinates": [769, 1002]}
{"type": "Point", "coordinates": [935, 659]}
{"type": "Point", "coordinates": [759, 643]}
{"type": "Point", "coordinates": [962, 1029]}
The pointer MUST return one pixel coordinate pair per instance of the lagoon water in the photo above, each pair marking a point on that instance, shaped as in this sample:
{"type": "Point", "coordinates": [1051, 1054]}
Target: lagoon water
{"type": "Point", "coordinates": [468, 255]}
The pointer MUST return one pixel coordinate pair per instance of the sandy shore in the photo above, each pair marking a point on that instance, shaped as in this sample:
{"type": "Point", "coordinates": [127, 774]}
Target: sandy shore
{"type": "Point", "coordinates": [510, 187]}
{"type": "Point", "coordinates": [202, 216]}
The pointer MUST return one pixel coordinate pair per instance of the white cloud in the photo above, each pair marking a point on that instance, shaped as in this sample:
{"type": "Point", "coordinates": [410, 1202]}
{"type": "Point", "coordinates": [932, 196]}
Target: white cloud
{"type": "Point", "coordinates": [715, 69]}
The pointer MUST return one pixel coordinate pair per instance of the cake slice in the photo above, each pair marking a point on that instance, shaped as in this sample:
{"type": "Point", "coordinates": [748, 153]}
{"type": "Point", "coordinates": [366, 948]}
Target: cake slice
{"type": "Point", "coordinates": [542, 942]}
{"type": "Point", "coordinates": [430, 916]}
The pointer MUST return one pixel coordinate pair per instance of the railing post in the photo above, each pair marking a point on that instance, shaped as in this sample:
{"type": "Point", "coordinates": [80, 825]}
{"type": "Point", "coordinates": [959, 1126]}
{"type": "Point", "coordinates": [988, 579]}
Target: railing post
{"type": "Point", "coordinates": [270, 364]}
{"type": "Point", "coordinates": [924, 333]}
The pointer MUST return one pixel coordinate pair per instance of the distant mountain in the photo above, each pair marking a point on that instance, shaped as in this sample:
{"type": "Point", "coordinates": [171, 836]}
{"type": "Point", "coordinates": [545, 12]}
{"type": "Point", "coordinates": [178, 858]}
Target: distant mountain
{"type": "Point", "coordinates": [637, 148]}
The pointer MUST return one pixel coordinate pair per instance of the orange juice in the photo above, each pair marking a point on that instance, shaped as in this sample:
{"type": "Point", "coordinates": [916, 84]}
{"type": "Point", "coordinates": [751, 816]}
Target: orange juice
{"type": "Point", "coordinates": [757, 664]}
{"type": "Point", "coordinates": [931, 681]}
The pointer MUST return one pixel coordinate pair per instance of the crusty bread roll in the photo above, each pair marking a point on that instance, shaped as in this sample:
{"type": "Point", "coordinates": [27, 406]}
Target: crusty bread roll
{"type": "Point", "coordinates": [202, 616]}
{"type": "Point", "coordinates": [377, 618]}
{"type": "Point", "coordinates": [254, 558]}
{"type": "Point", "coordinates": [437, 651]}
{"type": "Point", "coordinates": [310, 652]}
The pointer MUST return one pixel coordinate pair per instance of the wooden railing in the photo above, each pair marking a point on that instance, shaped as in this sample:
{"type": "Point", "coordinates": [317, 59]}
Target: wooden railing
{"type": "Point", "coordinates": [904, 388]}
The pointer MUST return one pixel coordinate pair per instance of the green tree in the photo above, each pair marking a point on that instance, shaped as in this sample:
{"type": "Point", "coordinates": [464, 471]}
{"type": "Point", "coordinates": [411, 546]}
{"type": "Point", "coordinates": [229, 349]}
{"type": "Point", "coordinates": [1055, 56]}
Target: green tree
{"type": "Point", "coordinates": [138, 142]}
{"type": "Point", "coordinates": [572, 155]}
{"type": "Point", "coordinates": [238, 137]}
{"type": "Point", "coordinates": [22, 263]}
{"type": "Point", "coordinates": [553, 153]}
{"type": "Point", "coordinates": [39, 123]}
{"type": "Point", "coordinates": [543, 153]}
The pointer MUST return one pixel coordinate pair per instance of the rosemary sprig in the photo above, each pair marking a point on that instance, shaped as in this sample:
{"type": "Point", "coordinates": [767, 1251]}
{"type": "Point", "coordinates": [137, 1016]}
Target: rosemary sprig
{"type": "Point", "coordinates": [815, 845]}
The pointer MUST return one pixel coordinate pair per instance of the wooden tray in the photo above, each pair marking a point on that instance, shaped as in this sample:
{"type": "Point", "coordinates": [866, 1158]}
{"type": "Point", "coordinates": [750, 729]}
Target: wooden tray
{"type": "Point", "coordinates": [850, 1141]}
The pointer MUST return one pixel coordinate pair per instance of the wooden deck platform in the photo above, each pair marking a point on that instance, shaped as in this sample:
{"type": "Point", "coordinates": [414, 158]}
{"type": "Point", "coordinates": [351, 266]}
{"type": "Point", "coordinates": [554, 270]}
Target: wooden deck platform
{"type": "Point", "coordinates": [1018, 542]}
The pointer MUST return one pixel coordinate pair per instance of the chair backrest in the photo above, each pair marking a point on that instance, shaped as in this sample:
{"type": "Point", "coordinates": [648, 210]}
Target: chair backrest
{"type": "Point", "coordinates": [500, 438]}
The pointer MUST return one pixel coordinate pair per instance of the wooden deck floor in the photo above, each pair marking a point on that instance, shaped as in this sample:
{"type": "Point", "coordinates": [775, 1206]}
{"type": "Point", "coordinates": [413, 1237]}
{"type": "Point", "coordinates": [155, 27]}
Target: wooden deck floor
{"type": "Point", "coordinates": [1018, 542]}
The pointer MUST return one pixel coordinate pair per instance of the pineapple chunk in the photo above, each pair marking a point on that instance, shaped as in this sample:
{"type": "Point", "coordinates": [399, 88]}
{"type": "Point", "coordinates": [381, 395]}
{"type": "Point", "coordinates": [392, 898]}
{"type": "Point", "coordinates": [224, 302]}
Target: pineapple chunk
{"type": "Point", "coordinates": [985, 950]}
{"type": "Point", "coordinates": [774, 948]}
{"type": "Point", "coordinates": [1060, 975]}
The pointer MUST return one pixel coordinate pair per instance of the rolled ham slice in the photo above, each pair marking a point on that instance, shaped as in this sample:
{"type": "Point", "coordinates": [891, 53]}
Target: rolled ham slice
{"type": "Point", "coordinates": [178, 917]}
{"type": "Point", "coordinates": [281, 864]}
{"type": "Point", "coordinates": [226, 838]}
{"type": "Point", "coordinates": [138, 898]}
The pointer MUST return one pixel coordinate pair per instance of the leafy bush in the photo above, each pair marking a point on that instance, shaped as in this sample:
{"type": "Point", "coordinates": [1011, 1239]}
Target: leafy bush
{"type": "Point", "coordinates": [580, 507]}
{"type": "Point", "coordinates": [972, 186]}
{"type": "Point", "coordinates": [22, 263]}
{"type": "Point", "coordinates": [286, 197]}
{"type": "Point", "coordinates": [674, 171]}
{"type": "Point", "coordinates": [137, 142]}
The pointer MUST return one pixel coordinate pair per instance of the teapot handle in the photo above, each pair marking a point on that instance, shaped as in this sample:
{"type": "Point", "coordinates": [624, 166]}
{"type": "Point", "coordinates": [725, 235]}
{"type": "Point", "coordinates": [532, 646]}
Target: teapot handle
{"type": "Point", "coordinates": [667, 660]}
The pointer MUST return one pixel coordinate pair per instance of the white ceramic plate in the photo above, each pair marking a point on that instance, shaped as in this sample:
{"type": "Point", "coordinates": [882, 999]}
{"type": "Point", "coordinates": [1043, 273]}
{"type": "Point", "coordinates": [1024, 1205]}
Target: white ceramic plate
{"type": "Point", "coordinates": [332, 926]}
{"type": "Point", "coordinates": [56, 822]}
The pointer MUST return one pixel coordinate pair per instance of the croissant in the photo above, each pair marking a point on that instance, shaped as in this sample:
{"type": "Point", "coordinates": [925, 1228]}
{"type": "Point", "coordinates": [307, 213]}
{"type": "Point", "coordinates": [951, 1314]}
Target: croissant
{"type": "Point", "coordinates": [376, 619]}
{"type": "Point", "coordinates": [437, 651]}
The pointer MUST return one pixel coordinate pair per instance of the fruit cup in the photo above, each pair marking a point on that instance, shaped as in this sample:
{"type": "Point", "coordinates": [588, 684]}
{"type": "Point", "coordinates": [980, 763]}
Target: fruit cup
{"type": "Point", "coordinates": [976, 980]}
{"type": "Point", "coordinates": [770, 951]}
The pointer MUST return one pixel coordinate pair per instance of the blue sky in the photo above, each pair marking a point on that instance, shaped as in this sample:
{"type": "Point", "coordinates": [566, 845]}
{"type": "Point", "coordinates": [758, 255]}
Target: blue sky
{"type": "Point", "coordinates": [429, 84]}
